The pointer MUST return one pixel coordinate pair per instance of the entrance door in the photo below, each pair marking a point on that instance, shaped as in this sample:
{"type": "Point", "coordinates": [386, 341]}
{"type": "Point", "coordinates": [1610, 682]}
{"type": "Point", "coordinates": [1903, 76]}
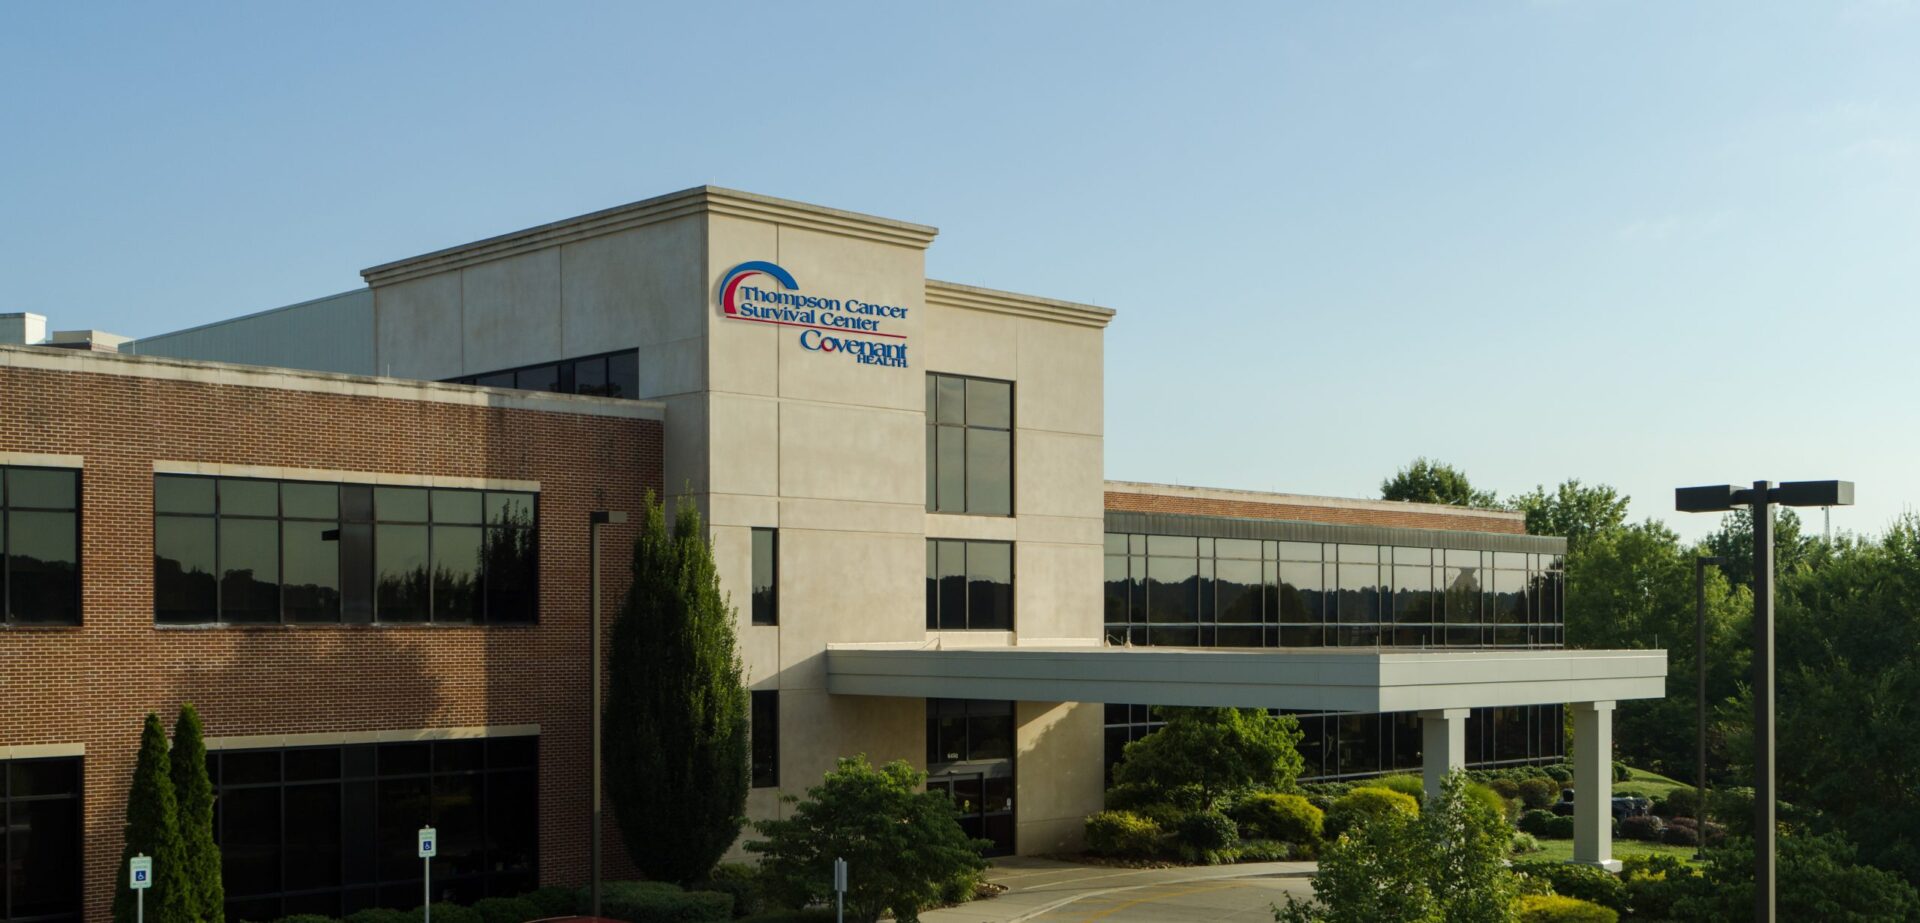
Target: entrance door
{"type": "Point", "coordinates": [985, 804]}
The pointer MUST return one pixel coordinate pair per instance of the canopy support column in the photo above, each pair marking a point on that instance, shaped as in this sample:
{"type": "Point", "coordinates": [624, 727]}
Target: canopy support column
{"type": "Point", "coordinates": [1593, 785]}
{"type": "Point", "coordinates": [1443, 745]}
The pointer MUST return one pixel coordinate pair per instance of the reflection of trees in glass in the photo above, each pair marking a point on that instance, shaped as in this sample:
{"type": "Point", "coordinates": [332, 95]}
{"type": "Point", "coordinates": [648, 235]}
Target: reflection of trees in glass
{"type": "Point", "coordinates": [509, 557]}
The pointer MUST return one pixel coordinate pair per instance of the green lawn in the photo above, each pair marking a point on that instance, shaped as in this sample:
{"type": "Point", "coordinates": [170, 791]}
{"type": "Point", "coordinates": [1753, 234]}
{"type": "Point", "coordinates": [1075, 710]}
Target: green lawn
{"type": "Point", "coordinates": [1562, 850]}
{"type": "Point", "coordinates": [1648, 785]}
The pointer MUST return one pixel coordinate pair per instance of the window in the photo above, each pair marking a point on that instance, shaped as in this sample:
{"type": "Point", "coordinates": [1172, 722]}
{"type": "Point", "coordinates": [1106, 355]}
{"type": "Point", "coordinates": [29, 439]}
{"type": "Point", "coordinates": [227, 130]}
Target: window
{"type": "Point", "coordinates": [40, 857]}
{"type": "Point", "coordinates": [766, 577]}
{"type": "Point", "coordinates": [766, 739]}
{"type": "Point", "coordinates": [969, 445]}
{"type": "Point", "coordinates": [969, 585]}
{"type": "Point", "coordinates": [968, 730]}
{"type": "Point", "coordinates": [606, 375]}
{"type": "Point", "coordinates": [330, 830]}
{"type": "Point", "coordinates": [241, 551]}
{"type": "Point", "coordinates": [39, 546]}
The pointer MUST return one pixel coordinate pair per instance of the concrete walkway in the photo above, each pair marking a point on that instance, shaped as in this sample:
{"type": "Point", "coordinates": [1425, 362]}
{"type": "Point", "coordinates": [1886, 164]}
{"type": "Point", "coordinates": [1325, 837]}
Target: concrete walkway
{"type": "Point", "coordinates": [1064, 892]}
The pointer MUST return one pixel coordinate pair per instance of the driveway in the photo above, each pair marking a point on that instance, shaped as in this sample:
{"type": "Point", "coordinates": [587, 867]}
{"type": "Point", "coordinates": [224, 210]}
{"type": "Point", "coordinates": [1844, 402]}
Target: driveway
{"type": "Point", "coordinates": [1052, 891]}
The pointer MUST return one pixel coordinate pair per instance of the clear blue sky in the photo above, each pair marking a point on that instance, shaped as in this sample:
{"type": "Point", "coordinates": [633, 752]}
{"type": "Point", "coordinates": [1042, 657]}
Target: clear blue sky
{"type": "Point", "coordinates": [1649, 245]}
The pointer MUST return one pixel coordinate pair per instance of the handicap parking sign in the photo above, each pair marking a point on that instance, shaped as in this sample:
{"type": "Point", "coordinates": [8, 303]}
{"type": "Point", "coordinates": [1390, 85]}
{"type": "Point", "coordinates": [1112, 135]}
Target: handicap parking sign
{"type": "Point", "coordinates": [140, 873]}
{"type": "Point", "coordinates": [427, 839]}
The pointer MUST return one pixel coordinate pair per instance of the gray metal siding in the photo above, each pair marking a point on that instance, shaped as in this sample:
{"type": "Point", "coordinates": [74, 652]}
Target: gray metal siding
{"type": "Point", "coordinates": [331, 334]}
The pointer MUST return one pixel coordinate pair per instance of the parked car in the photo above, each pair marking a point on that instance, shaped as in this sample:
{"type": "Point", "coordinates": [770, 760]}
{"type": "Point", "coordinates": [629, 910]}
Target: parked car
{"type": "Point", "coordinates": [1624, 806]}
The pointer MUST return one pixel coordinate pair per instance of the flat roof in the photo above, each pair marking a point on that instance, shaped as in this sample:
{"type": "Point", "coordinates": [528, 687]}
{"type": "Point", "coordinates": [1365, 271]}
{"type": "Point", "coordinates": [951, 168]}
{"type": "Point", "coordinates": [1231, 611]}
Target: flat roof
{"type": "Point", "coordinates": [1306, 679]}
{"type": "Point", "coordinates": [1284, 499]}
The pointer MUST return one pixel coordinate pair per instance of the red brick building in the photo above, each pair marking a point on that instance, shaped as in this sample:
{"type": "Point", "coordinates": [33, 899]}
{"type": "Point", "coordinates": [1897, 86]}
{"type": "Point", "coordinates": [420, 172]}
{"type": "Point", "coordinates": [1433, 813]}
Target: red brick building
{"type": "Point", "coordinates": [461, 698]}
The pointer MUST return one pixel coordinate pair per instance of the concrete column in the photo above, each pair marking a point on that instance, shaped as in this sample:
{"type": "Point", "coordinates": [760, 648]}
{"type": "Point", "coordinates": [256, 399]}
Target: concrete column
{"type": "Point", "coordinates": [1593, 785]}
{"type": "Point", "coordinates": [1443, 745]}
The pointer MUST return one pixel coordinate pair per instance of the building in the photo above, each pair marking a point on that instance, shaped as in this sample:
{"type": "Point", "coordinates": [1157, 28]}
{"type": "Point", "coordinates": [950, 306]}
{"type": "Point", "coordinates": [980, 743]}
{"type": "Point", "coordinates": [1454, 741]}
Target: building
{"type": "Point", "coordinates": [903, 482]}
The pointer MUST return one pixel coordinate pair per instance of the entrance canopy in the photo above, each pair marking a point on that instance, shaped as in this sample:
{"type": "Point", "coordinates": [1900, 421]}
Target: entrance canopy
{"type": "Point", "coordinates": [1306, 679]}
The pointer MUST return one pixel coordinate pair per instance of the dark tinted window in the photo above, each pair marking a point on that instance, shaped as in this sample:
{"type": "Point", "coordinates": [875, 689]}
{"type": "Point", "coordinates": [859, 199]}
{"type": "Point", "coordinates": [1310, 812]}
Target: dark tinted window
{"type": "Point", "coordinates": [604, 375]}
{"type": "Point", "coordinates": [39, 546]}
{"type": "Point", "coordinates": [969, 585]}
{"type": "Point", "coordinates": [331, 830]}
{"type": "Point", "coordinates": [40, 856]}
{"type": "Point", "coordinates": [766, 572]}
{"type": "Point", "coordinates": [766, 739]}
{"type": "Point", "coordinates": [239, 550]}
{"type": "Point", "coordinates": [969, 445]}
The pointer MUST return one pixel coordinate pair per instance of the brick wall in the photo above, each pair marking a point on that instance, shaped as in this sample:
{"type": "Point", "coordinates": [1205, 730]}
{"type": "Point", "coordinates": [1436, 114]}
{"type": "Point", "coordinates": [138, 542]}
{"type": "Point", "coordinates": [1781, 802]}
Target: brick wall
{"type": "Point", "coordinates": [1129, 502]}
{"type": "Point", "coordinates": [93, 684]}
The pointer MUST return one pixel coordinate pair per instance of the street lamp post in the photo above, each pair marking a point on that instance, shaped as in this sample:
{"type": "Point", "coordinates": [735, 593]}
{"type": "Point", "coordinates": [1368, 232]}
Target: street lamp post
{"type": "Point", "coordinates": [1700, 695]}
{"type": "Point", "coordinates": [1760, 499]}
{"type": "Point", "coordinates": [595, 520]}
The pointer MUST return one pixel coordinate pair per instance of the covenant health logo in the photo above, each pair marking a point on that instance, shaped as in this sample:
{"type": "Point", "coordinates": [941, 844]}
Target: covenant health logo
{"type": "Point", "coordinates": [849, 326]}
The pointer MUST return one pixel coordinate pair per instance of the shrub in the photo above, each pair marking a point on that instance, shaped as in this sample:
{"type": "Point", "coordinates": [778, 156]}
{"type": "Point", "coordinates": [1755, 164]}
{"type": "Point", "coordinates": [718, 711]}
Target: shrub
{"type": "Point", "coordinates": [1213, 751]}
{"type": "Point", "coordinates": [553, 900]}
{"type": "Point", "coordinates": [1620, 772]}
{"type": "Point", "coordinates": [1647, 828]}
{"type": "Point", "coordinates": [1524, 843]}
{"type": "Point", "coordinates": [1681, 802]}
{"type": "Point", "coordinates": [1131, 797]}
{"type": "Point", "coordinates": [385, 915]}
{"type": "Point", "coordinates": [1653, 882]}
{"type": "Point", "coordinates": [1364, 805]}
{"type": "Point", "coordinates": [1260, 851]}
{"type": "Point", "coordinates": [813, 915]}
{"type": "Point", "coordinates": [1487, 796]}
{"type": "Point", "coordinates": [1552, 908]}
{"type": "Point", "coordinates": [1288, 818]}
{"type": "Point", "coordinates": [904, 840]}
{"type": "Point", "coordinates": [1539, 793]}
{"type": "Point", "coordinates": [507, 910]}
{"type": "Point", "coordinates": [1680, 836]}
{"type": "Point", "coordinates": [1558, 828]}
{"type": "Point", "coordinates": [1578, 881]}
{"type": "Point", "coordinates": [446, 912]}
{"type": "Point", "coordinates": [657, 902]}
{"type": "Point", "coordinates": [1733, 806]}
{"type": "Point", "coordinates": [1560, 772]}
{"type": "Point", "coordinates": [315, 918]}
{"type": "Point", "coordinates": [1123, 833]}
{"type": "Point", "coordinates": [1507, 788]}
{"type": "Point", "coordinates": [1535, 822]}
{"type": "Point", "coordinates": [1819, 878]}
{"type": "Point", "coordinates": [1323, 802]}
{"type": "Point", "coordinates": [1204, 832]}
{"type": "Point", "coordinates": [740, 880]}
{"type": "Point", "coordinates": [1166, 816]}
{"type": "Point", "coordinates": [1403, 783]}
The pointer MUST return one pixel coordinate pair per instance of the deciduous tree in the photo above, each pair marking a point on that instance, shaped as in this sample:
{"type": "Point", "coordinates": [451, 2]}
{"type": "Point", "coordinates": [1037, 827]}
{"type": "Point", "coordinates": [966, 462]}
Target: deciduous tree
{"type": "Point", "coordinates": [1429, 481]}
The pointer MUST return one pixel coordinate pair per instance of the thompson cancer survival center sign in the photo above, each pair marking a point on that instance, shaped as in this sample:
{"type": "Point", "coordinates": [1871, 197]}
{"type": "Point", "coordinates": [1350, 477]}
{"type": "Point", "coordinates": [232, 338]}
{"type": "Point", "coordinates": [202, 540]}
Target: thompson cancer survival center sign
{"type": "Point", "coordinates": [860, 330]}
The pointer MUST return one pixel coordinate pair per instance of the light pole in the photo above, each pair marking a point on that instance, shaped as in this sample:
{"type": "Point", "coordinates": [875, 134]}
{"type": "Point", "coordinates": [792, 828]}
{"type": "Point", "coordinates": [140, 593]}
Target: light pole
{"type": "Point", "coordinates": [1700, 694]}
{"type": "Point", "coordinates": [595, 520]}
{"type": "Point", "coordinates": [1760, 499]}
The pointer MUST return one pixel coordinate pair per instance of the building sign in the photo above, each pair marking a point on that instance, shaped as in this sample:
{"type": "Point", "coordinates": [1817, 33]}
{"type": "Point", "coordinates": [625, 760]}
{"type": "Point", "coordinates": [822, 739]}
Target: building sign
{"type": "Point", "coordinates": [860, 330]}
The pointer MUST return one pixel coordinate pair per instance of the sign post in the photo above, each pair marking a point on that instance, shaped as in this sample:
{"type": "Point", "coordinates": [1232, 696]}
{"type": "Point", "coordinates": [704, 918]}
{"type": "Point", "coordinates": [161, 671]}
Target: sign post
{"type": "Point", "coordinates": [140, 878]}
{"type": "Point", "coordinates": [840, 890]}
{"type": "Point", "coordinates": [429, 844]}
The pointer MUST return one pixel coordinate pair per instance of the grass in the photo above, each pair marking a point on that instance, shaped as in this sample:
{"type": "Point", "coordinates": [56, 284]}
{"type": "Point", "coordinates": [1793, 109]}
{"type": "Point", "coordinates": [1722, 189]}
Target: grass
{"type": "Point", "coordinates": [1646, 784]}
{"type": "Point", "coordinates": [1562, 850]}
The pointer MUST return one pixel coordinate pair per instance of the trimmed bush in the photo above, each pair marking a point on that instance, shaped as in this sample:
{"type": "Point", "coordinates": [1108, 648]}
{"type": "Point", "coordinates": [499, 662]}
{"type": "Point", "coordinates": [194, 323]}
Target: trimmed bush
{"type": "Point", "coordinates": [1681, 802]}
{"type": "Point", "coordinates": [383, 915]}
{"type": "Point", "coordinates": [1680, 836]}
{"type": "Point", "coordinates": [1362, 805]}
{"type": "Point", "coordinates": [1208, 831]}
{"type": "Point", "coordinates": [1560, 772]}
{"type": "Point", "coordinates": [1410, 785]}
{"type": "Point", "coordinates": [1535, 822]}
{"type": "Point", "coordinates": [1524, 843]}
{"type": "Point", "coordinates": [1507, 788]}
{"type": "Point", "coordinates": [1646, 828]}
{"type": "Point", "coordinates": [657, 902]}
{"type": "Point", "coordinates": [748, 898]}
{"type": "Point", "coordinates": [1653, 883]}
{"type": "Point", "coordinates": [1578, 881]}
{"type": "Point", "coordinates": [1620, 772]}
{"type": "Point", "coordinates": [554, 900]}
{"type": "Point", "coordinates": [1260, 851]}
{"type": "Point", "coordinates": [1288, 818]}
{"type": "Point", "coordinates": [1553, 908]}
{"type": "Point", "coordinates": [1166, 816]}
{"type": "Point", "coordinates": [507, 910]}
{"type": "Point", "coordinates": [1558, 828]}
{"type": "Point", "coordinates": [1323, 802]}
{"type": "Point", "coordinates": [1539, 793]}
{"type": "Point", "coordinates": [1487, 796]}
{"type": "Point", "coordinates": [1123, 833]}
{"type": "Point", "coordinates": [1131, 797]}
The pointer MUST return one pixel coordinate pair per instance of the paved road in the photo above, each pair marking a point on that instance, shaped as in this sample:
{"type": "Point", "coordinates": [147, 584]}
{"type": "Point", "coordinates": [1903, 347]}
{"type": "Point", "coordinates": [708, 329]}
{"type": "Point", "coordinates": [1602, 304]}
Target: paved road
{"type": "Point", "coordinates": [1049, 891]}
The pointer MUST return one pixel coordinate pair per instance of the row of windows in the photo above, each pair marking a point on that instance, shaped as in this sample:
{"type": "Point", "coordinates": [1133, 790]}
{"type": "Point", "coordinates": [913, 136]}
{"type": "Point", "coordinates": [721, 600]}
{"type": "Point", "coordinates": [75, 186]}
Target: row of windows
{"type": "Point", "coordinates": [1334, 746]}
{"type": "Point", "coordinates": [606, 375]}
{"type": "Point", "coordinates": [331, 830]}
{"type": "Point", "coordinates": [40, 859]}
{"type": "Point", "coordinates": [250, 551]}
{"type": "Point", "coordinates": [1183, 591]}
{"type": "Point", "coordinates": [39, 546]}
{"type": "Point", "coordinates": [969, 585]}
{"type": "Point", "coordinates": [969, 445]}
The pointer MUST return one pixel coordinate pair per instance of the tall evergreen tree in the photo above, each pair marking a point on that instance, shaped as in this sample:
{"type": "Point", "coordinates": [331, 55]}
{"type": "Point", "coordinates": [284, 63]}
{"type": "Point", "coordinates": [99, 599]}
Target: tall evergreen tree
{"type": "Point", "coordinates": [193, 793]}
{"type": "Point", "coordinates": [675, 751]}
{"type": "Point", "coordinates": [153, 829]}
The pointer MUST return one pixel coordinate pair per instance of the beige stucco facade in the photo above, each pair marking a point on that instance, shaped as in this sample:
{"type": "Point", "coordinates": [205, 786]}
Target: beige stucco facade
{"type": "Point", "coordinates": [762, 432]}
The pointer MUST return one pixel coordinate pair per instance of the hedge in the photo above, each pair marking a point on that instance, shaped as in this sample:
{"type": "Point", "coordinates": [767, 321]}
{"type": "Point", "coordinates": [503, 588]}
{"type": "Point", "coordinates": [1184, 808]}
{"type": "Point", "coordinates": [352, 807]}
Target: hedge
{"type": "Point", "coordinates": [1553, 908]}
{"type": "Point", "coordinates": [1578, 881]}
{"type": "Point", "coordinates": [1123, 833]}
{"type": "Point", "coordinates": [1364, 804]}
{"type": "Point", "coordinates": [507, 910]}
{"type": "Point", "coordinates": [1288, 818]}
{"type": "Point", "coordinates": [659, 902]}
